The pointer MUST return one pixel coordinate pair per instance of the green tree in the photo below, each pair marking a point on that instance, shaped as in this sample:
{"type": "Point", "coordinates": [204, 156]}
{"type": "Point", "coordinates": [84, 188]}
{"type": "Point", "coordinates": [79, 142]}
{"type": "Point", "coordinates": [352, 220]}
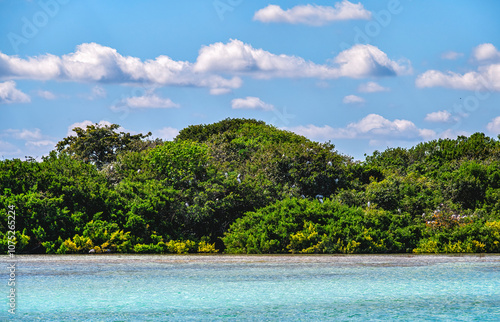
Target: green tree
{"type": "Point", "coordinates": [99, 145]}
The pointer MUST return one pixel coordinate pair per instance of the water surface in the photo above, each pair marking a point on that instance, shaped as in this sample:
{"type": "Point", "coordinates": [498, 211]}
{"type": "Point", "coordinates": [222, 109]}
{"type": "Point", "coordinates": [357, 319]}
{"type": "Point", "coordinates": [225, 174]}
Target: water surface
{"type": "Point", "coordinates": [254, 288]}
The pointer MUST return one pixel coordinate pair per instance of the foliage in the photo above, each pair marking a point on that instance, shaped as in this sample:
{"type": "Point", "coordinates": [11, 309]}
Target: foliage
{"type": "Point", "coordinates": [241, 186]}
{"type": "Point", "coordinates": [310, 226]}
{"type": "Point", "coordinates": [99, 145]}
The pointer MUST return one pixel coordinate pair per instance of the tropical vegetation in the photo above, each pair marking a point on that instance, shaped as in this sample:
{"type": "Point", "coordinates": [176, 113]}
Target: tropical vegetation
{"type": "Point", "coordinates": [242, 186]}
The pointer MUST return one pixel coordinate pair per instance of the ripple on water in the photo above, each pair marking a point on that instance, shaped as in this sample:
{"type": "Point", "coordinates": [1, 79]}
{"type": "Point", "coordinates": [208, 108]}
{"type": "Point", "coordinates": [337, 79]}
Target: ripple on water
{"type": "Point", "coordinates": [257, 288]}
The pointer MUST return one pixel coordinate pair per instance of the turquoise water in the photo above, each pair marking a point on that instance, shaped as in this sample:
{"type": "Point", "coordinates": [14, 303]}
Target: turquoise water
{"type": "Point", "coordinates": [254, 288]}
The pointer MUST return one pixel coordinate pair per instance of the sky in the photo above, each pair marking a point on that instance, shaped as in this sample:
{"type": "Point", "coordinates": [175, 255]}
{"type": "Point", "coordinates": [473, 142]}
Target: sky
{"type": "Point", "coordinates": [364, 75]}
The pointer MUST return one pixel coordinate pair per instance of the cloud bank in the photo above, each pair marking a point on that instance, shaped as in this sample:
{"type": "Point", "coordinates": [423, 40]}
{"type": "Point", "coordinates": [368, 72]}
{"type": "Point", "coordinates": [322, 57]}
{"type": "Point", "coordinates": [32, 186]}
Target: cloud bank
{"type": "Point", "coordinates": [238, 58]}
{"type": "Point", "coordinates": [92, 62]}
{"type": "Point", "coordinates": [372, 126]}
{"type": "Point", "coordinates": [219, 67]}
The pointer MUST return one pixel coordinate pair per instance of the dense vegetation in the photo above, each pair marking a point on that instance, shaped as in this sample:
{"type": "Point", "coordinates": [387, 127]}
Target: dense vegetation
{"type": "Point", "coordinates": [242, 186]}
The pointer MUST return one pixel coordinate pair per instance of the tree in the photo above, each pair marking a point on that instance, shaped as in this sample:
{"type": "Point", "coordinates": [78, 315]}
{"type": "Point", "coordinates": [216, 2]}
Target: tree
{"type": "Point", "coordinates": [99, 145]}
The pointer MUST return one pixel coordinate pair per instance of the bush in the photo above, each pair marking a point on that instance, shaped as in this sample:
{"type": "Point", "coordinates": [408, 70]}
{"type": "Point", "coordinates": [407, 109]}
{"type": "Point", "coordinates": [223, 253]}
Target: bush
{"type": "Point", "coordinates": [181, 247]}
{"type": "Point", "coordinates": [204, 247]}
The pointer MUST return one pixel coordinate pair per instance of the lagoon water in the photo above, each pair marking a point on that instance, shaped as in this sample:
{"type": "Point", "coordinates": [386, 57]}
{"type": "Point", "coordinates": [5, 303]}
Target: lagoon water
{"type": "Point", "coordinates": [254, 288]}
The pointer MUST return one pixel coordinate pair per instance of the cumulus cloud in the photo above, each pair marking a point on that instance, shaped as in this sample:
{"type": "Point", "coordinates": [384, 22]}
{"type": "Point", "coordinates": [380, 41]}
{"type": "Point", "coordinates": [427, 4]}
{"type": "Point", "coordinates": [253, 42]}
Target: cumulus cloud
{"type": "Point", "coordinates": [353, 99]}
{"type": "Point", "coordinates": [312, 14]}
{"type": "Point", "coordinates": [451, 55]}
{"type": "Point", "coordinates": [494, 125]}
{"type": "Point", "coordinates": [10, 94]}
{"type": "Point", "coordinates": [251, 102]}
{"type": "Point", "coordinates": [148, 100]}
{"type": "Point", "coordinates": [376, 125]}
{"type": "Point", "coordinates": [84, 125]}
{"type": "Point", "coordinates": [239, 58]}
{"type": "Point", "coordinates": [46, 95]}
{"type": "Point", "coordinates": [452, 134]}
{"type": "Point", "coordinates": [486, 78]}
{"type": "Point", "coordinates": [485, 52]}
{"type": "Point", "coordinates": [368, 61]}
{"type": "Point", "coordinates": [315, 132]}
{"type": "Point", "coordinates": [92, 62]}
{"type": "Point", "coordinates": [372, 127]}
{"type": "Point", "coordinates": [371, 87]}
{"type": "Point", "coordinates": [218, 67]}
{"type": "Point", "coordinates": [439, 117]}
{"type": "Point", "coordinates": [166, 133]}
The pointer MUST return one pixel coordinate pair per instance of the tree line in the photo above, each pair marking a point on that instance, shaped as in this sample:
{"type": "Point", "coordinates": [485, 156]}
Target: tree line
{"type": "Point", "coordinates": [242, 186]}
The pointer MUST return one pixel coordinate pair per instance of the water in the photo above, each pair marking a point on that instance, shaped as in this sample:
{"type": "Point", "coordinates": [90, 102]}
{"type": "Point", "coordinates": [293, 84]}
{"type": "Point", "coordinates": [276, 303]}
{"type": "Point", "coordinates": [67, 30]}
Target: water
{"type": "Point", "coordinates": [254, 288]}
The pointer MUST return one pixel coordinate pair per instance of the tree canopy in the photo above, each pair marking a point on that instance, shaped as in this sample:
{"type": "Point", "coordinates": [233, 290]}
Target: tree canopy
{"type": "Point", "coordinates": [241, 186]}
{"type": "Point", "coordinates": [99, 144]}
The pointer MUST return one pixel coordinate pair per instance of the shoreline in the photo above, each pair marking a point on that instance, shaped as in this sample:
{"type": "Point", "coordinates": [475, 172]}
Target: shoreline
{"type": "Point", "coordinates": [257, 258]}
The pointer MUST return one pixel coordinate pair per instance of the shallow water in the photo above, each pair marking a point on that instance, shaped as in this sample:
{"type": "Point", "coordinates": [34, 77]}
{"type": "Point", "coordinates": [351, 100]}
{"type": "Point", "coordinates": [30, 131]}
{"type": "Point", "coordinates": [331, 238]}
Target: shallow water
{"type": "Point", "coordinates": [254, 288]}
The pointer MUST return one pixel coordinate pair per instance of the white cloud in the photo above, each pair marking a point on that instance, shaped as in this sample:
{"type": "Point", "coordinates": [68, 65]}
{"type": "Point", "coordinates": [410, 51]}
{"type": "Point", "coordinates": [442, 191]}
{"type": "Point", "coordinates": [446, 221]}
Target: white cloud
{"type": "Point", "coordinates": [10, 94]}
{"type": "Point", "coordinates": [92, 62]}
{"type": "Point", "coordinates": [24, 134]}
{"type": "Point", "coordinates": [46, 95]}
{"type": "Point", "coordinates": [494, 125]}
{"type": "Point", "coordinates": [218, 67]}
{"type": "Point", "coordinates": [8, 149]}
{"type": "Point", "coordinates": [440, 116]}
{"type": "Point", "coordinates": [376, 125]}
{"type": "Point", "coordinates": [323, 84]}
{"type": "Point", "coordinates": [373, 127]}
{"type": "Point", "coordinates": [219, 91]}
{"type": "Point", "coordinates": [166, 133]}
{"type": "Point", "coordinates": [148, 100]}
{"type": "Point", "coordinates": [97, 92]}
{"type": "Point", "coordinates": [315, 132]}
{"type": "Point", "coordinates": [368, 61]}
{"type": "Point", "coordinates": [452, 134]}
{"type": "Point", "coordinates": [36, 144]}
{"type": "Point", "coordinates": [84, 125]}
{"type": "Point", "coordinates": [353, 99]}
{"type": "Point", "coordinates": [451, 55]}
{"type": "Point", "coordinates": [41, 143]}
{"type": "Point", "coordinates": [486, 78]}
{"type": "Point", "coordinates": [239, 58]}
{"type": "Point", "coordinates": [427, 134]}
{"type": "Point", "coordinates": [486, 52]}
{"type": "Point", "coordinates": [312, 14]}
{"type": "Point", "coordinates": [371, 87]}
{"type": "Point", "coordinates": [251, 102]}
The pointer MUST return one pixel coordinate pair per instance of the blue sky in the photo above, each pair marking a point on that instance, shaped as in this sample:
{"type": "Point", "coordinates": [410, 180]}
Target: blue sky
{"type": "Point", "coordinates": [364, 75]}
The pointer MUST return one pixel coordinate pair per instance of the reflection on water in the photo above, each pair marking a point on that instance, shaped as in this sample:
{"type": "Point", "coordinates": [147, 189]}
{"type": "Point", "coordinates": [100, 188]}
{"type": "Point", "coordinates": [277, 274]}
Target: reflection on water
{"type": "Point", "coordinates": [281, 287]}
